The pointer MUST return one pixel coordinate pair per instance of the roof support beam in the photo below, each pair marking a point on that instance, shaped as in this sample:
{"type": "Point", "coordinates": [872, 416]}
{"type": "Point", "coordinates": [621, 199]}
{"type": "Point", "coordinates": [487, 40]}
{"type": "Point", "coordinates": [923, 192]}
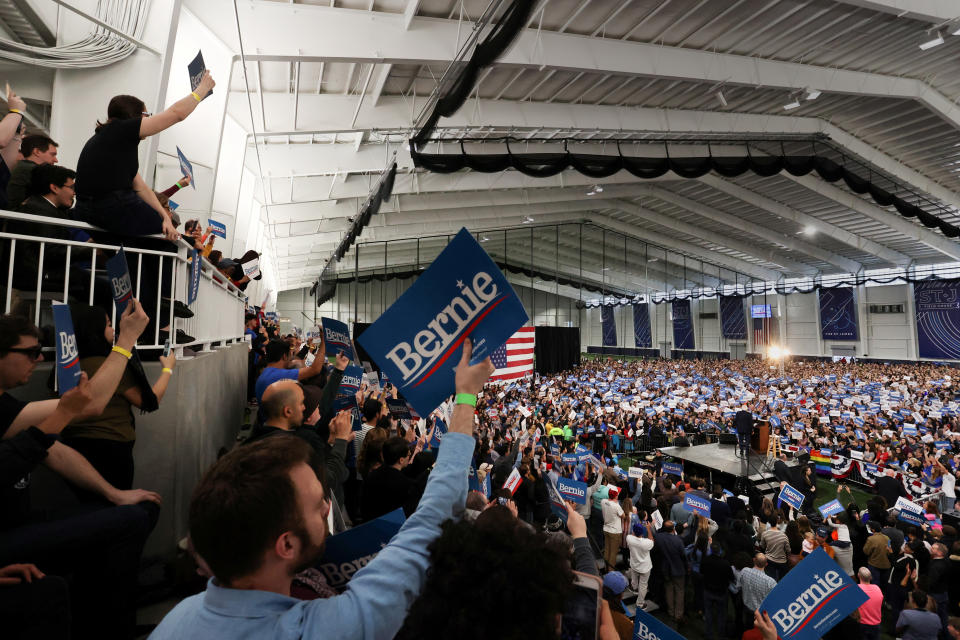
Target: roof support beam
{"type": "Point", "coordinates": [779, 209]}
{"type": "Point", "coordinates": [925, 10]}
{"type": "Point", "coordinates": [332, 34]}
{"type": "Point", "coordinates": [333, 114]}
{"type": "Point", "coordinates": [789, 266]}
{"type": "Point", "coordinates": [844, 264]}
{"type": "Point", "coordinates": [895, 221]}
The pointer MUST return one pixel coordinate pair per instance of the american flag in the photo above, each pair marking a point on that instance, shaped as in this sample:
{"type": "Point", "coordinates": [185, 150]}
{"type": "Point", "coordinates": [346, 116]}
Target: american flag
{"type": "Point", "coordinates": [762, 331]}
{"type": "Point", "coordinates": [514, 359]}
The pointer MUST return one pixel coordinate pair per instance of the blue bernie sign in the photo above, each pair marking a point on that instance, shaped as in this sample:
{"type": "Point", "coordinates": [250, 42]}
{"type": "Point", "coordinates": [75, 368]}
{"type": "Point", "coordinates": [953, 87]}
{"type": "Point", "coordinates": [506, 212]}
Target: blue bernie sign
{"type": "Point", "coordinates": [812, 598]}
{"type": "Point", "coordinates": [418, 340]}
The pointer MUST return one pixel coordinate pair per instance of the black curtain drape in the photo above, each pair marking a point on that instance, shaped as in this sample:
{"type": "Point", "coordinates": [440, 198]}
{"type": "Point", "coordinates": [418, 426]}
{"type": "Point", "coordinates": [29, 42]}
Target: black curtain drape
{"type": "Point", "coordinates": [557, 349]}
{"type": "Point", "coordinates": [542, 165]}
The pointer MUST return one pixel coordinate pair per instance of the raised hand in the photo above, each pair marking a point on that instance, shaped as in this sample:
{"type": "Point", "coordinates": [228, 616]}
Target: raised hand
{"type": "Point", "coordinates": [471, 378]}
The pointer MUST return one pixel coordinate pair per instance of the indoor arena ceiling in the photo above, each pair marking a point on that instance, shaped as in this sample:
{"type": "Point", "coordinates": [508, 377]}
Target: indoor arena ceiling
{"type": "Point", "coordinates": [333, 89]}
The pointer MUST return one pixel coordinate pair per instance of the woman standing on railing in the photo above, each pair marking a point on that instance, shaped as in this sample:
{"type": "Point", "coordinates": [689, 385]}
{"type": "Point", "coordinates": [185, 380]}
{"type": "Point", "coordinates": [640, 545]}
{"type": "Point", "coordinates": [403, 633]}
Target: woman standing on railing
{"type": "Point", "coordinates": [107, 440]}
{"type": "Point", "coordinates": [112, 195]}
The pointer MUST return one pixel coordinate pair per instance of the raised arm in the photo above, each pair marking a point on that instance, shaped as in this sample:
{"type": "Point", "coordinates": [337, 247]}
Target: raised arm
{"type": "Point", "coordinates": [103, 384]}
{"type": "Point", "coordinates": [377, 598]}
{"type": "Point", "coordinates": [179, 110]}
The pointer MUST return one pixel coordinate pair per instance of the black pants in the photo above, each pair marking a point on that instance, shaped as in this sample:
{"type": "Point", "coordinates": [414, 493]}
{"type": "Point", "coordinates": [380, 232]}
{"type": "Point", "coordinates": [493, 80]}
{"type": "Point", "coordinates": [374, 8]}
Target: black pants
{"type": "Point", "coordinates": [38, 609]}
{"type": "Point", "coordinates": [98, 550]}
{"type": "Point", "coordinates": [126, 219]}
{"type": "Point", "coordinates": [111, 458]}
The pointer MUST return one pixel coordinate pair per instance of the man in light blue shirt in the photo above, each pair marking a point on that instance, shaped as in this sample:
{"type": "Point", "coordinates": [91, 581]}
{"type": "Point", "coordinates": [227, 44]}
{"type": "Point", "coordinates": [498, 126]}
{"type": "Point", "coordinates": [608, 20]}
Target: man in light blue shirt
{"type": "Point", "coordinates": [259, 517]}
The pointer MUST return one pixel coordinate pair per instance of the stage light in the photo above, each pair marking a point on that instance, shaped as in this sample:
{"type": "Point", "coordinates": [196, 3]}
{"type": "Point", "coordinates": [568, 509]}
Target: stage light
{"type": "Point", "coordinates": [785, 353]}
{"type": "Point", "coordinates": [774, 352]}
{"type": "Point", "coordinates": [930, 44]}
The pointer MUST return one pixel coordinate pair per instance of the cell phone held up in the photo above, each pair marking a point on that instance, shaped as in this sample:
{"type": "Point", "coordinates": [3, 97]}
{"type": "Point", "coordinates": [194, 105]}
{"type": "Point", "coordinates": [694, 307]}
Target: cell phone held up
{"type": "Point", "coordinates": [581, 620]}
{"type": "Point", "coordinates": [166, 347]}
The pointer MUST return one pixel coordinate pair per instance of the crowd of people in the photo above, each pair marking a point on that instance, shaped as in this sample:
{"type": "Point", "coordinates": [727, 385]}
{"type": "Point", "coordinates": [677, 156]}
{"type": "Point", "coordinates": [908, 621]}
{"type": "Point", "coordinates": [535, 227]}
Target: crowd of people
{"type": "Point", "coordinates": [313, 466]}
{"type": "Point", "coordinates": [319, 462]}
{"type": "Point", "coordinates": [651, 551]}
{"type": "Point", "coordinates": [108, 192]}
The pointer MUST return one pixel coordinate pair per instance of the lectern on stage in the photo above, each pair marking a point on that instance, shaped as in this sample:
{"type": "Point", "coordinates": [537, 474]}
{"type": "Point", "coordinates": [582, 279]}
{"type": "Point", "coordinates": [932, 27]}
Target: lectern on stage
{"type": "Point", "coordinates": [760, 438]}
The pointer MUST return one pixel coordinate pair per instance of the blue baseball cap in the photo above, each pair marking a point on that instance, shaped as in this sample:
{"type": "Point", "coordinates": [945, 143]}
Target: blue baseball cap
{"type": "Point", "coordinates": [616, 582]}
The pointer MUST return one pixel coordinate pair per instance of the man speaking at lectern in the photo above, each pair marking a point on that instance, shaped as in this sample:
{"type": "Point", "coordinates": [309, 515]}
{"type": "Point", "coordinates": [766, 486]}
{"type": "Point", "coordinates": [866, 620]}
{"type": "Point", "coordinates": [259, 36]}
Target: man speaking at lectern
{"type": "Point", "coordinates": [743, 421]}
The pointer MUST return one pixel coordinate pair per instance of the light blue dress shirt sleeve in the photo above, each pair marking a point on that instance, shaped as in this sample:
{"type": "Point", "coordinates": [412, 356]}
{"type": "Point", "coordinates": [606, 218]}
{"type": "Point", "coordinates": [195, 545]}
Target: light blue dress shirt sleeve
{"type": "Point", "coordinates": [377, 598]}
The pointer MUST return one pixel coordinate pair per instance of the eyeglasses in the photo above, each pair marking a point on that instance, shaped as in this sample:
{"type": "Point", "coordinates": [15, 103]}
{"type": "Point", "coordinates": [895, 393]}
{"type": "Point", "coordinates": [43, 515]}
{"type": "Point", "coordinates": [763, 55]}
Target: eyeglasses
{"type": "Point", "coordinates": [33, 352]}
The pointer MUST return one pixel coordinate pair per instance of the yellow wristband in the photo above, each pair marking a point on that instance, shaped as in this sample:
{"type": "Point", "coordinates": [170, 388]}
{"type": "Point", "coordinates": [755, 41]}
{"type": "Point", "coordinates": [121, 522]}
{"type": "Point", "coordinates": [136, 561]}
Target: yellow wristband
{"type": "Point", "coordinates": [126, 354]}
{"type": "Point", "coordinates": [167, 370]}
{"type": "Point", "coordinates": [195, 96]}
{"type": "Point", "coordinates": [17, 111]}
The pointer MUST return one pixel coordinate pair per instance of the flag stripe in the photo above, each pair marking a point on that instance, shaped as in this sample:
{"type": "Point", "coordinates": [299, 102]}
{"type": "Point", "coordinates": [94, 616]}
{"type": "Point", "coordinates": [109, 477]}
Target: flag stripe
{"type": "Point", "coordinates": [514, 359]}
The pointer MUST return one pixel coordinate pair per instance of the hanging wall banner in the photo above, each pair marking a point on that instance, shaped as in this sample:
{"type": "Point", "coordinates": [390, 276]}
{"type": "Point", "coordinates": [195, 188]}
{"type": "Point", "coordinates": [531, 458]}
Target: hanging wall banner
{"type": "Point", "coordinates": [609, 326]}
{"type": "Point", "coordinates": [641, 326]}
{"type": "Point", "coordinates": [733, 320]}
{"type": "Point", "coordinates": [838, 314]}
{"type": "Point", "coordinates": [938, 318]}
{"type": "Point", "coordinates": [682, 325]}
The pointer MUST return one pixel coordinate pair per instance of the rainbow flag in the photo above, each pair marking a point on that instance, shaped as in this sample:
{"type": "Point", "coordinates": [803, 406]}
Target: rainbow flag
{"type": "Point", "coordinates": [824, 461]}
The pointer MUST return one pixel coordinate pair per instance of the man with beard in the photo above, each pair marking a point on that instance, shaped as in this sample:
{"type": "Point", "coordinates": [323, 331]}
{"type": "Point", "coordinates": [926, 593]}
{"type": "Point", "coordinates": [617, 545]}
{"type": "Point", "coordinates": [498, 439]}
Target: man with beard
{"type": "Point", "coordinates": [259, 516]}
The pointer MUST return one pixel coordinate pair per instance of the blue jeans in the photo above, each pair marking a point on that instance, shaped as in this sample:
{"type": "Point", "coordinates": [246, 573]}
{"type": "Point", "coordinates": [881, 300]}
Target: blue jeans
{"type": "Point", "coordinates": [715, 614]}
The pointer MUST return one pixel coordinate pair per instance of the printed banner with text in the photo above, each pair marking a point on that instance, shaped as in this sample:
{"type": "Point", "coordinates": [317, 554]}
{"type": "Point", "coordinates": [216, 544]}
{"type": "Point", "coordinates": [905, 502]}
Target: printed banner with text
{"type": "Point", "coordinates": [348, 552]}
{"type": "Point", "coordinates": [418, 340]}
{"type": "Point", "coordinates": [938, 318]}
{"type": "Point", "coordinates": [838, 314]}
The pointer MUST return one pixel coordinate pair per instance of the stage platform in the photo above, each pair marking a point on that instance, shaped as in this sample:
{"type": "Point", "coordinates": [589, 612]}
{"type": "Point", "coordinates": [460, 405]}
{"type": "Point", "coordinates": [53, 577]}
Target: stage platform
{"type": "Point", "coordinates": [723, 458]}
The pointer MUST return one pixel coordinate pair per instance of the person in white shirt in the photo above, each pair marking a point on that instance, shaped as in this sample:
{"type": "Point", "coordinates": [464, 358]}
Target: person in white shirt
{"type": "Point", "coordinates": [949, 488]}
{"type": "Point", "coordinates": [640, 543]}
{"type": "Point", "coordinates": [612, 527]}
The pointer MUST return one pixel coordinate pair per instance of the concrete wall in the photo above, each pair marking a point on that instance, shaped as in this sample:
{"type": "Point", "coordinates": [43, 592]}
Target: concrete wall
{"type": "Point", "coordinates": [201, 412]}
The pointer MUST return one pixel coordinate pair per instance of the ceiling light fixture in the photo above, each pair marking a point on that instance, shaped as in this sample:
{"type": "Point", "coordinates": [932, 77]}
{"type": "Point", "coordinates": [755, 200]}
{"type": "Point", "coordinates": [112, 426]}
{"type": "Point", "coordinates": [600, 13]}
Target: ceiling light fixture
{"type": "Point", "coordinates": [598, 188]}
{"type": "Point", "coordinates": [795, 104]}
{"type": "Point", "coordinates": [813, 94]}
{"type": "Point", "coordinates": [930, 44]}
{"type": "Point", "coordinates": [527, 220]}
{"type": "Point", "coordinates": [721, 98]}
{"type": "Point", "coordinates": [484, 238]}
{"type": "Point", "coordinates": [810, 230]}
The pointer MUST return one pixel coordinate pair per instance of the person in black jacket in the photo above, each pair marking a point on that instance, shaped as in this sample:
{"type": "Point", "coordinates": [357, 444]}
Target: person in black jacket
{"type": "Point", "coordinates": [387, 488]}
{"type": "Point", "coordinates": [284, 410]}
{"type": "Point", "coordinates": [743, 421]}
{"type": "Point", "coordinates": [717, 574]}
